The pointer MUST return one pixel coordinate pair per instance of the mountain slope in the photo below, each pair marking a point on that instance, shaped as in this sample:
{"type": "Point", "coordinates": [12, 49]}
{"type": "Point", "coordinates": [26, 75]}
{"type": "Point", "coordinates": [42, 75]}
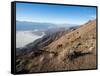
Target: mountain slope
{"type": "Point", "coordinates": [74, 35]}
{"type": "Point", "coordinates": [71, 51]}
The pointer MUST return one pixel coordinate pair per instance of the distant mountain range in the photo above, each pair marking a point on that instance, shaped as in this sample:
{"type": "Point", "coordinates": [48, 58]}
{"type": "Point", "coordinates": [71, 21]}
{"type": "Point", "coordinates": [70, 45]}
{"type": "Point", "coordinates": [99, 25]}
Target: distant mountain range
{"type": "Point", "coordinates": [24, 25]}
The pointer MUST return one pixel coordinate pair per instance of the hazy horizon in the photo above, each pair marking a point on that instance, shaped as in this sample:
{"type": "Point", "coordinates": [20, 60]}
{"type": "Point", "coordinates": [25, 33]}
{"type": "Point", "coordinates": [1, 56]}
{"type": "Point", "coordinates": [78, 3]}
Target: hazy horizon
{"type": "Point", "coordinates": [54, 13]}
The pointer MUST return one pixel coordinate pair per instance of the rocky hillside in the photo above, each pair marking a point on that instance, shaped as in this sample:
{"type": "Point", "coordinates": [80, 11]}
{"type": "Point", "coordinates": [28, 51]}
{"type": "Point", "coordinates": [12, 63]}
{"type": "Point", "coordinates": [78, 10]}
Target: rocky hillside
{"type": "Point", "coordinates": [69, 51]}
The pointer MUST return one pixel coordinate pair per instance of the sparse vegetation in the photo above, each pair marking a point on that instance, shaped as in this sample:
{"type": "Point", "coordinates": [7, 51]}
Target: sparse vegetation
{"type": "Point", "coordinates": [67, 52]}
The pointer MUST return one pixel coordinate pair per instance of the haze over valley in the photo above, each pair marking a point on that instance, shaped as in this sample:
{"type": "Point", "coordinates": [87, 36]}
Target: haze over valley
{"type": "Point", "coordinates": [28, 32]}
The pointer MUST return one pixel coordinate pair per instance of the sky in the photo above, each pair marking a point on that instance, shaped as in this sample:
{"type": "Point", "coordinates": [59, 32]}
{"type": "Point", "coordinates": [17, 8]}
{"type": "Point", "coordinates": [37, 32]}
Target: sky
{"type": "Point", "coordinates": [54, 13]}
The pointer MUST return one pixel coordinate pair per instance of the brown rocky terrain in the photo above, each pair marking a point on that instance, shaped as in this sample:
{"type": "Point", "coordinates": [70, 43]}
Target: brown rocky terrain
{"type": "Point", "coordinates": [74, 50]}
